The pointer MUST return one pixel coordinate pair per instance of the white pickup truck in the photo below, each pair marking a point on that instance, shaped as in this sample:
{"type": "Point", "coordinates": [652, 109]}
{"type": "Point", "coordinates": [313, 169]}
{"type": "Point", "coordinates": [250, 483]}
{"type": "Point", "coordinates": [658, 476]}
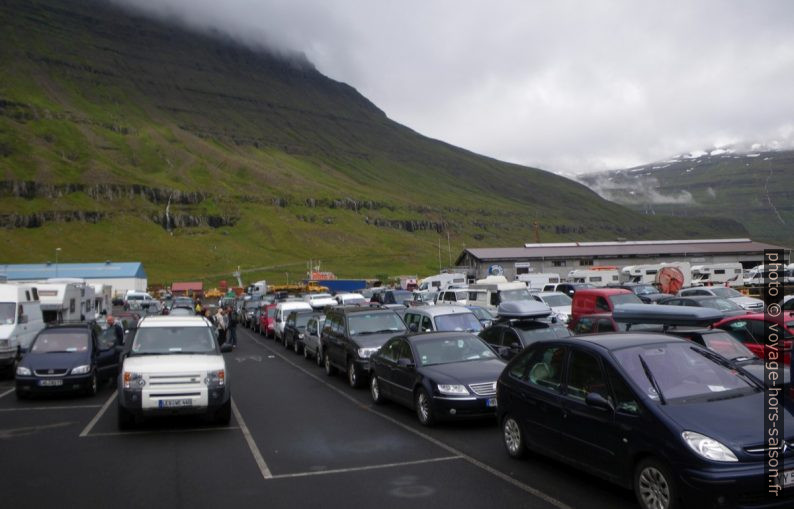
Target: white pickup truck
{"type": "Point", "coordinates": [174, 366]}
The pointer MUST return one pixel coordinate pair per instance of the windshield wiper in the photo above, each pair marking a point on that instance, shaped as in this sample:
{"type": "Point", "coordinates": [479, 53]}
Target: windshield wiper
{"type": "Point", "coordinates": [718, 359]}
{"type": "Point", "coordinates": [651, 379]}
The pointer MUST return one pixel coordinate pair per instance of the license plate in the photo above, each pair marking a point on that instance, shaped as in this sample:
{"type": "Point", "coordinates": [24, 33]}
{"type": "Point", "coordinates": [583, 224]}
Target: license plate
{"type": "Point", "coordinates": [490, 402]}
{"type": "Point", "coordinates": [50, 383]}
{"type": "Point", "coordinates": [175, 403]}
{"type": "Point", "coordinates": [788, 478]}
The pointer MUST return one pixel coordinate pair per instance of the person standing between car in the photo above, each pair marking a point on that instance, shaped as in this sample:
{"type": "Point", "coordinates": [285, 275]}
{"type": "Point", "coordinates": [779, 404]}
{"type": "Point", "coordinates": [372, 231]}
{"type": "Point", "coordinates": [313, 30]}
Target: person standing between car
{"type": "Point", "coordinates": [118, 330]}
{"type": "Point", "coordinates": [199, 308]}
{"type": "Point", "coordinates": [221, 321]}
{"type": "Point", "coordinates": [231, 320]}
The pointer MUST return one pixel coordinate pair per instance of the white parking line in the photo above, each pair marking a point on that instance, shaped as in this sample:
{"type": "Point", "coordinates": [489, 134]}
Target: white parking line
{"type": "Point", "coordinates": [359, 469]}
{"type": "Point", "coordinates": [6, 393]}
{"type": "Point", "coordinates": [260, 461]}
{"type": "Point", "coordinates": [479, 464]}
{"type": "Point", "coordinates": [160, 431]}
{"type": "Point", "coordinates": [98, 416]}
{"type": "Point", "coordinates": [32, 408]}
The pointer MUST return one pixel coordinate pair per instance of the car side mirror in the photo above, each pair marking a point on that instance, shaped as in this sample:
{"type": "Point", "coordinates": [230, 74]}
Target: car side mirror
{"type": "Point", "coordinates": [597, 401]}
{"type": "Point", "coordinates": [227, 347]}
{"type": "Point", "coordinates": [406, 363]}
{"type": "Point", "coordinates": [486, 323]}
{"type": "Point", "coordinates": [504, 352]}
{"type": "Point", "coordinates": [414, 327]}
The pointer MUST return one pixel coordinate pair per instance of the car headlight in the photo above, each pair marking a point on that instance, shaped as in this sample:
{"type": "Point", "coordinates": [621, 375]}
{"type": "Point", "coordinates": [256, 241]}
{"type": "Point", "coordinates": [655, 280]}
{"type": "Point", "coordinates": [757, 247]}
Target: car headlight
{"type": "Point", "coordinates": [300, 335]}
{"type": "Point", "coordinates": [708, 447]}
{"type": "Point", "coordinates": [365, 353]}
{"type": "Point", "coordinates": [215, 379]}
{"type": "Point", "coordinates": [81, 370]}
{"type": "Point", "coordinates": [23, 371]}
{"type": "Point", "coordinates": [133, 381]}
{"type": "Point", "coordinates": [453, 390]}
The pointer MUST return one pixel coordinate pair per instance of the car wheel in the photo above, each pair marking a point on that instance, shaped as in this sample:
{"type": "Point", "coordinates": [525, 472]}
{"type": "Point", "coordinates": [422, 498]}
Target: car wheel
{"type": "Point", "coordinates": [655, 486]}
{"type": "Point", "coordinates": [125, 418]}
{"type": "Point", "coordinates": [93, 385]}
{"type": "Point", "coordinates": [224, 414]}
{"type": "Point", "coordinates": [374, 390]}
{"type": "Point", "coordinates": [329, 369]}
{"type": "Point", "coordinates": [296, 347]}
{"type": "Point", "coordinates": [353, 376]}
{"type": "Point", "coordinates": [318, 357]}
{"type": "Point", "coordinates": [305, 353]}
{"type": "Point", "coordinates": [513, 438]}
{"type": "Point", "coordinates": [424, 408]}
{"type": "Point", "coordinates": [285, 343]}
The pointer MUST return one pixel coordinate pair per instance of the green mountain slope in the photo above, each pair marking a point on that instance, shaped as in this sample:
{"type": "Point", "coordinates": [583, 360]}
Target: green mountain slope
{"type": "Point", "coordinates": [122, 137]}
{"type": "Point", "coordinates": [755, 189]}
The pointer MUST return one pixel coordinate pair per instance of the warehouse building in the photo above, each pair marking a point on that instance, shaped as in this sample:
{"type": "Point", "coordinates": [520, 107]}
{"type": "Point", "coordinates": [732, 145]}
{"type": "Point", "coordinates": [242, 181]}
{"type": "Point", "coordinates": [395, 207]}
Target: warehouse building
{"type": "Point", "coordinates": [561, 258]}
{"type": "Point", "coordinates": [119, 276]}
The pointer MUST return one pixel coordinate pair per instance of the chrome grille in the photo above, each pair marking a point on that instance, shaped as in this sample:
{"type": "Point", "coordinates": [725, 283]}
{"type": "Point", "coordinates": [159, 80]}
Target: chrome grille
{"type": "Point", "coordinates": [50, 372]}
{"type": "Point", "coordinates": [180, 379]}
{"type": "Point", "coordinates": [486, 389]}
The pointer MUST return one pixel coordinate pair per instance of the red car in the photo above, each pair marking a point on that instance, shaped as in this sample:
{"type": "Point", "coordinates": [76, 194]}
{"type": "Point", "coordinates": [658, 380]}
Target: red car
{"type": "Point", "coordinates": [267, 320]}
{"type": "Point", "coordinates": [751, 330]}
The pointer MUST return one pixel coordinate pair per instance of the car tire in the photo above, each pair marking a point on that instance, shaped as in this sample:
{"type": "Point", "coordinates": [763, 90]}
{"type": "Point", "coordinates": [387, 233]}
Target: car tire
{"type": "Point", "coordinates": [513, 438]}
{"type": "Point", "coordinates": [353, 375]}
{"type": "Point", "coordinates": [374, 390]}
{"type": "Point", "coordinates": [224, 414]}
{"type": "Point", "coordinates": [305, 353]}
{"type": "Point", "coordinates": [330, 370]}
{"type": "Point", "coordinates": [93, 386]}
{"type": "Point", "coordinates": [654, 485]}
{"type": "Point", "coordinates": [424, 408]}
{"type": "Point", "coordinates": [285, 344]}
{"type": "Point", "coordinates": [296, 347]}
{"type": "Point", "coordinates": [318, 357]}
{"type": "Point", "coordinates": [125, 418]}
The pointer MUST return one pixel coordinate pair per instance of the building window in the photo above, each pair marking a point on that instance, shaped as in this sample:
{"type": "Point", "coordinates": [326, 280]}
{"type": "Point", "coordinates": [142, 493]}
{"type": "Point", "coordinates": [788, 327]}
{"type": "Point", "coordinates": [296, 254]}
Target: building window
{"type": "Point", "coordinates": [522, 270]}
{"type": "Point", "coordinates": [586, 262]}
{"type": "Point", "coordinates": [558, 263]}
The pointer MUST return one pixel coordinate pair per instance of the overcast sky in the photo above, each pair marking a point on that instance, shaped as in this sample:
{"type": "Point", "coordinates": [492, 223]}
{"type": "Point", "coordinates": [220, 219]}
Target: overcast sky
{"type": "Point", "coordinates": [566, 86]}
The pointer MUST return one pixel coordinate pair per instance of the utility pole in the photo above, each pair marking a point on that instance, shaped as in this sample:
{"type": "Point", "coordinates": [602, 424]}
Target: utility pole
{"type": "Point", "coordinates": [449, 249]}
{"type": "Point", "coordinates": [439, 254]}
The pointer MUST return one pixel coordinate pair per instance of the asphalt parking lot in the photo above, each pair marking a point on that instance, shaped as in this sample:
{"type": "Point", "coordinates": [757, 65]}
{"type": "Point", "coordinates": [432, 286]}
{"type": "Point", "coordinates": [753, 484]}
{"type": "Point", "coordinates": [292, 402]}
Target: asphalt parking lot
{"type": "Point", "coordinates": [297, 438]}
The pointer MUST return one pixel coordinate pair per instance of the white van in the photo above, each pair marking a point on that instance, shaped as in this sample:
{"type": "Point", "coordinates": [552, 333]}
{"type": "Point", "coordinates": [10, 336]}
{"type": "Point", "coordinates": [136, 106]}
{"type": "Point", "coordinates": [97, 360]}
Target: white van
{"type": "Point", "coordinates": [257, 289]}
{"type": "Point", "coordinates": [283, 309]}
{"type": "Point", "coordinates": [595, 277]}
{"type": "Point", "coordinates": [320, 300]}
{"type": "Point", "coordinates": [442, 282]}
{"type": "Point", "coordinates": [20, 321]}
{"type": "Point", "coordinates": [539, 280]}
{"type": "Point", "coordinates": [493, 290]}
{"type": "Point", "coordinates": [60, 302]}
{"type": "Point", "coordinates": [718, 274]}
{"type": "Point", "coordinates": [103, 299]}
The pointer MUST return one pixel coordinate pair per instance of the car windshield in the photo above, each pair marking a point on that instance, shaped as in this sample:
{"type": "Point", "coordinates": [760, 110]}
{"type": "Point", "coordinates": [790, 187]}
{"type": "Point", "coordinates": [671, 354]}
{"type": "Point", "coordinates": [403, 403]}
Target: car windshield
{"type": "Point", "coordinates": [721, 304]}
{"type": "Point", "coordinates": [645, 290]}
{"type": "Point", "coordinates": [134, 297]}
{"type": "Point", "coordinates": [481, 313]}
{"type": "Point", "coordinates": [727, 346]}
{"type": "Point", "coordinates": [173, 340]}
{"type": "Point", "coordinates": [449, 350]}
{"type": "Point", "coordinates": [7, 316]}
{"type": "Point", "coordinates": [302, 319]}
{"type": "Point", "coordinates": [60, 341]}
{"type": "Point", "coordinates": [372, 323]}
{"type": "Point", "coordinates": [541, 331]}
{"type": "Point", "coordinates": [182, 301]}
{"type": "Point", "coordinates": [555, 301]}
{"type": "Point", "coordinates": [400, 296]}
{"type": "Point", "coordinates": [725, 293]}
{"type": "Point", "coordinates": [681, 372]}
{"type": "Point", "coordinates": [625, 298]}
{"type": "Point", "coordinates": [458, 322]}
{"type": "Point", "coordinates": [513, 295]}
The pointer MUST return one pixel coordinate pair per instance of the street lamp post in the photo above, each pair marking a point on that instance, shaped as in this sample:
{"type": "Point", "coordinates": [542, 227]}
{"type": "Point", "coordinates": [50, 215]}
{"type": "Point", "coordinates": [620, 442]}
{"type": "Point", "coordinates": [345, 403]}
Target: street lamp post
{"type": "Point", "coordinates": [57, 250]}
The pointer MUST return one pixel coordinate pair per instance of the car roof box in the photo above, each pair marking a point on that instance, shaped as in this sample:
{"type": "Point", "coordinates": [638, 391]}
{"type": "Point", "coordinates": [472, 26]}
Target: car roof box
{"type": "Point", "coordinates": [662, 314]}
{"type": "Point", "coordinates": [523, 309]}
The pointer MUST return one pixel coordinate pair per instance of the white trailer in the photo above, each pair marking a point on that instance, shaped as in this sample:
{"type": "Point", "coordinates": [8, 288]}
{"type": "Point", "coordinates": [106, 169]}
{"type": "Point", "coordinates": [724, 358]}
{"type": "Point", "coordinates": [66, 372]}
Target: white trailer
{"type": "Point", "coordinates": [442, 281]}
{"type": "Point", "coordinates": [595, 276]}
{"type": "Point", "coordinates": [649, 274]}
{"type": "Point", "coordinates": [539, 280]}
{"type": "Point", "coordinates": [61, 302]}
{"type": "Point", "coordinates": [20, 321]}
{"type": "Point", "coordinates": [730, 274]}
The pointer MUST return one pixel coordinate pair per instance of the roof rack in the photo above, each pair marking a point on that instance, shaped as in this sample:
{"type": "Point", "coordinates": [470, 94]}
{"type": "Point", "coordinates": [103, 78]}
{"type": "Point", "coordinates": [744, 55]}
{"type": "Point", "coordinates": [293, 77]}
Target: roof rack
{"type": "Point", "coordinates": [526, 309]}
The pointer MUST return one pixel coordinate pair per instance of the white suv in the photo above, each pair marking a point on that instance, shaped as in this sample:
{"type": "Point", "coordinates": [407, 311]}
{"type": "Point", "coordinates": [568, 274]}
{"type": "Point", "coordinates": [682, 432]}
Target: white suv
{"type": "Point", "coordinates": [174, 366]}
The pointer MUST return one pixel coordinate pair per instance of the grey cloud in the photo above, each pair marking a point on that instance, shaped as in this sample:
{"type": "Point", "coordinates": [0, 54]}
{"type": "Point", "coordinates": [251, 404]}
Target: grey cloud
{"type": "Point", "coordinates": [563, 85]}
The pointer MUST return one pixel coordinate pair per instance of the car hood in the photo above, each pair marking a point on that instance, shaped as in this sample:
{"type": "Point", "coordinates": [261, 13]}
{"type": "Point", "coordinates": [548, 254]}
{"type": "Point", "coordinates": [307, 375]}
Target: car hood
{"type": "Point", "coordinates": [374, 340]}
{"type": "Point", "coordinates": [6, 331]}
{"type": "Point", "coordinates": [736, 422]}
{"type": "Point", "coordinates": [173, 363]}
{"type": "Point", "coordinates": [55, 360]}
{"type": "Point", "coordinates": [467, 372]}
{"type": "Point", "coordinates": [747, 301]}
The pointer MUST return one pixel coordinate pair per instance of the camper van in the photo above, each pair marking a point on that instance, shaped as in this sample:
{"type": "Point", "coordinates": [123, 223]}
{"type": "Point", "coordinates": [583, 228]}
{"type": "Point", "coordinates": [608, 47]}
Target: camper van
{"type": "Point", "coordinates": [756, 275]}
{"type": "Point", "coordinates": [20, 321]}
{"type": "Point", "coordinates": [729, 274]}
{"type": "Point", "coordinates": [539, 280]}
{"type": "Point", "coordinates": [493, 290]}
{"type": "Point", "coordinates": [596, 276]}
{"type": "Point", "coordinates": [257, 289]}
{"type": "Point", "coordinates": [61, 302]}
{"type": "Point", "coordinates": [649, 274]}
{"type": "Point", "coordinates": [442, 282]}
{"type": "Point", "coordinates": [103, 299]}
{"type": "Point", "coordinates": [86, 306]}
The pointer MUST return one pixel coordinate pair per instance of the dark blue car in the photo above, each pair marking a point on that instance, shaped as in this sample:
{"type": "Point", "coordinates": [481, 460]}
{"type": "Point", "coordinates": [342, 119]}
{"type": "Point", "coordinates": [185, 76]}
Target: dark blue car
{"type": "Point", "coordinates": [671, 420]}
{"type": "Point", "coordinates": [71, 358]}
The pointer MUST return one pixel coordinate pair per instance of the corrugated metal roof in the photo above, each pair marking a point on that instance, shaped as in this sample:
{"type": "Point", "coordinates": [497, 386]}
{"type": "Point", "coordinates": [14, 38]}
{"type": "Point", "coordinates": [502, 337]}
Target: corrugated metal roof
{"type": "Point", "coordinates": [664, 248]}
{"type": "Point", "coordinates": [107, 270]}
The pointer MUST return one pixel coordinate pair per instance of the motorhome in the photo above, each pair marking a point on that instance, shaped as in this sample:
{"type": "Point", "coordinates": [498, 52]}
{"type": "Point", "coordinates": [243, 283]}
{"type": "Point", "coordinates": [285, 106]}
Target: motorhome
{"type": "Point", "coordinates": [103, 299]}
{"type": "Point", "coordinates": [61, 302]}
{"type": "Point", "coordinates": [442, 282]}
{"type": "Point", "coordinates": [539, 280]}
{"type": "Point", "coordinates": [756, 275]}
{"type": "Point", "coordinates": [493, 290]}
{"type": "Point", "coordinates": [650, 274]}
{"type": "Point", "coordinates": [20, 321]}
{"type": "Point", "coordinates": [596, 276]}
{"type": "Point", "coordinates": [729, 274]}
{"type": "Point", "coordinates": [86, 306]}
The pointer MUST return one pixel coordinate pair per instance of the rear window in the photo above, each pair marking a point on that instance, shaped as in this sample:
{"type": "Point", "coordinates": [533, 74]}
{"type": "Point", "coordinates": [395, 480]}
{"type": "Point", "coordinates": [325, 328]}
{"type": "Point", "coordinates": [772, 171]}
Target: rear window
{"type": "Point", "coordinates": [543, 332]}
{"type": "Point", "coordinates": [56, 342]}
